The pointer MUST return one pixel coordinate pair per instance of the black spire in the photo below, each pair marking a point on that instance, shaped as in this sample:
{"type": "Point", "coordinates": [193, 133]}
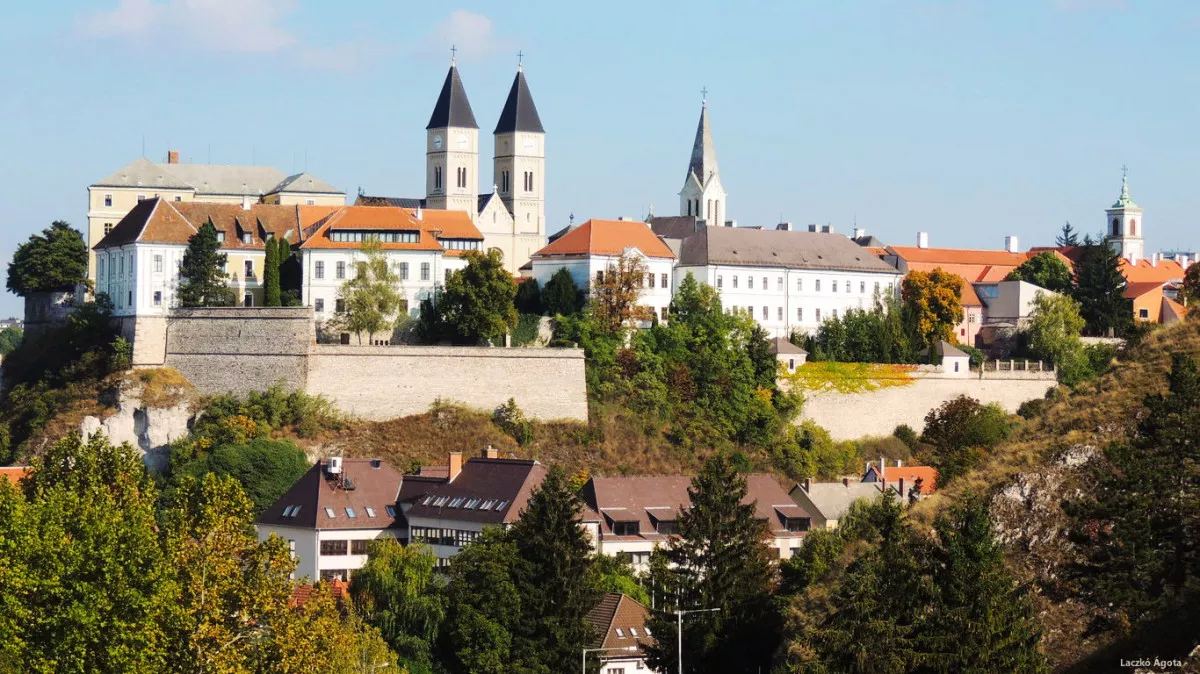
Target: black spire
{"type": "Point", "coordinates": [453, 108]}
{"type": "Point", "coordinates": [520, 114]}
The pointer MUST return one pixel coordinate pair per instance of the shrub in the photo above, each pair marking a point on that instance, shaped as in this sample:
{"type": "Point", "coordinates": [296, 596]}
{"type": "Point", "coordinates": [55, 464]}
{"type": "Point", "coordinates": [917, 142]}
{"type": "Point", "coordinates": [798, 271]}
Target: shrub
{"type": "Point", "coordinates": [809, 451]}
{"type": "Point", "coordinates": [529, 297]}
{"type": "Point", "coordinates": [959, 430]}
{"type": "Point", "coordinates": [526, 331]}
{"type": "Point", "coordinates": [907, 435]}
{"type": "Point", "coordinates": [121, 358]}
{"type": "Point", "coordinates": [1033, 408]}
{"type": "Point", "coordinates": [275, 409]}
{"type": "Point", "coordinates": [510, 419]}
{"type": "Point", "coordinates": [889, 447]}
{"type": "Point", "coordinates": [265, 468]}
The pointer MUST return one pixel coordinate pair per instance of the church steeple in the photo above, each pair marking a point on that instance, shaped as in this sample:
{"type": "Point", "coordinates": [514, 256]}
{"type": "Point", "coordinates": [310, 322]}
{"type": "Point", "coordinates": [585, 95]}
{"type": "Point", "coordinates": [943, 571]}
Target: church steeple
{"type": "Point", "coordinates": [702, 195]}
{"type": "Point", "coordinates": [452, 149]}
{"type": "Point", "coordinates": [1125, 224]}
{"type": "Point", "coordinates": [520, 171]}
{"type": "Point", "coordinates": [519, 114]}
{"type": "Point", "coordinates": [452, 108]}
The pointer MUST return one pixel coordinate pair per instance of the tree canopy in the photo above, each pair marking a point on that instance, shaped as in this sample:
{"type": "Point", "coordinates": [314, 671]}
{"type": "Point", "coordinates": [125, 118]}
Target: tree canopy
{"type": "Point", "coordinates": [370, 299]}
{"type": "Point", "coordinates": [1190, 292]}
{"type": "Point", "coordinates": [203, 271]}
{"type": "Point", "coordinates": [1068, 237]}
{"type": "Point", "coordinates": [1100, 290]}
{"type": "Point", "coordinates": [615, 293]}
{"type": "Point", "coordinates": [562, 296]}
{"type": "Point", "coordinates": [10, 339]}
{"type": "Point", "coordinates": [272, 294]}
{"type": "Point", "coordinates": [933, 305]}
{"type": "Point", "coordinates": [476, 305]}
{"type": "Point", "coordinates": [1045, 270]}
{"type": "Point", "coordinates": [54, 261]}
{"type": "Point", "coordinates": [397, 592]}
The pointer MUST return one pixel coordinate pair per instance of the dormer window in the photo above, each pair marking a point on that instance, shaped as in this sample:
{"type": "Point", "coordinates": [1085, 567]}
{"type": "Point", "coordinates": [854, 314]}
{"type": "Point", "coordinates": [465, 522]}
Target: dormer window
{"type": "Point", "coordinates": [247, 239]}
{"type": "Point", "coordinates": [220, 237]}
{"type": "Point", "coordinates": [625, 528]}
{"type": "Point", "coordinates": [667, 527]}
{"type": "Point", "coordinates": [797, 524]}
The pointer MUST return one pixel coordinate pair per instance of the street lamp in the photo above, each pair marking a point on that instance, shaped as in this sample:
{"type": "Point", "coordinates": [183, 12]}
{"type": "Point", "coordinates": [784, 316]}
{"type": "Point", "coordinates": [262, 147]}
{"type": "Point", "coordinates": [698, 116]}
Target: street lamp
{"type": "Point", "coordinates": [583, 660]}
{"type": "Point", "coordinates": [679, 630]}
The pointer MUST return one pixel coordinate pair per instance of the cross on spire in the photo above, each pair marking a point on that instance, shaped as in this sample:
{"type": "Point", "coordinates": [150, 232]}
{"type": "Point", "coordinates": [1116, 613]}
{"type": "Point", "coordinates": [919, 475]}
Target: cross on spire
{"type": "Point", "coordinates": [1124, 171]}
{"type": "Point", "coordinates": [453, 54]}
{"type": "Point", "coordinates": [704, 96]}
{"type": "Point", "coordinates": [520, 58]}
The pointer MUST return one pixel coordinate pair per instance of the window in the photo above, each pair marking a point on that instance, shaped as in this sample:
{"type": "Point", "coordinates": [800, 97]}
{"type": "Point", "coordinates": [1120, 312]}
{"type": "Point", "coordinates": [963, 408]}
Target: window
{"type": "Point", "coordinates": [799, 285]}
{"type": "Point", "coordinates": [504, 181]}
{"type": "Point", "coordinates": [350, 513]}
{"type": "Point", "coordinates": [108, 227]}
{"type": "Point", "coordinates": [142, 197]}
{"type": "Point", "coordinates": [437, 177]}
{"type": "Point", "coordinates": [750, 282]}
{"type": "Point", "coordinates": [664, 313]}
{"type": "Point", "coordinates": [108, 200]}
{"type": "Point", "coordinates": [766, 313]}
{"type": "Point", "coordinates": [1143, 313]}
{"type": "Point", "coordinates": [332, 574]}
{"type": "Point", "coordinates": [779, 284]}
{"type": "Point", "coordinates": [310, 202]}
{"type": "Point", "coordinates": [663, 278]}
{"type": "Point", "coordinates": [370, 512]}
{"type": "Point", "coordinates": [247, 238]}
{"type": "Point", "coordinates": [403, 271]}
{"type": "Point", "coordinates": [795, 524]}
{"type": "Point", "coordinates": [340, 271]}
{"type": "Point", "coordinates": [319, 305]}
{"type": "Point", "coordinates": [334, 547]}
{"type": "Point", "coordinates": [359, 547]}
{"type": "Point", "coordinates": [130, 302]}
{"type": "Point", "coordinates": [835, 313]}
{"type": "Point", "coordinates": [600, 276]}
{"type": "Point", "coordinates": [319, 270]}
{"type": "Point", "coordinates": [956, 366]}
{"type": "Point", "coordinates": [625, 528]}
{"type": "Point", "coordinates": [100, 266]}
{"type": "Point", "coordinates": [358, 236]}
{"type": "Point", "coordinates": [817, 285]}
{"type": "Point", "coordinates": [862, 287]}
{"type": "Point", "coordinates": [633, 632]}
{"type": "Point", "coordinates": [799, 314]}
{"type": "Point", "coordinates": [780, 314]}
{"type": "Point", "coordinates": [666, 527]}
{"type": "Point", "coordinates": [424, 271]}
{"type": "Point", "coordinates": [178, 198]}
{"type": "Point", "coordinates": [329, 513]}
{"type": "Point", "coordinates": [835, 285]}
{"type": "Point", "coordinates": [847, 285]}
{"type": "Point", "coordinates": [735, 280]}
{"type": "Point", "coordinates": [249, 269]}
{"type": "Point", "coordinates": [650, 280]}
{"type": "Point", "coordinates": [719, 281]}
{"type": "Point", "coordinates": [818, 315]}
{"type": "Point", "coordinates": [877, 287]}
{"type": "Point", "coordinates": [220, 237]}
{"type": "Point", "coordinates": [391, 510]}
{"type": "Point", "coordinates": [620, 633]}
{"type": "Point", "coordinates": [158, 263]}
{"type": "Point", "coordinates": [765, 285]}
{"type": "Point", "coordinates": [158, 298]}
{"type": "Point", "coordinates": [339, 305]}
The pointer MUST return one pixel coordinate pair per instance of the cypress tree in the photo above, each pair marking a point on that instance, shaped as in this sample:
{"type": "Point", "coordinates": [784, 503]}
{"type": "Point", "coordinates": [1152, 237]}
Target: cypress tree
{"type": "Point", "coordinates": [1100, 288]}
{"type": "Point", "coordinates": [203, 270]}
{"type": "Point", "coordinates": [271, 274]}
{"type": "Point", "coordinates": [721, 560]}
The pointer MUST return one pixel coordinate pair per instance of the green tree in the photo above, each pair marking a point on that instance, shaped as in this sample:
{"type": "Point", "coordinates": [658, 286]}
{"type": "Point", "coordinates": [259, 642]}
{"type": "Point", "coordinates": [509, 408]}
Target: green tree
{"type": "Point", "coordinates": [1045, 270]}
{"type": "Point", "coordinates": [271, 289]}
{"type": "Point", "coordinates": [959, 431]}
{"type": "Point", "coordinates": [10, 339]}
{"type": "Point", "coordinates": [477, 303]}
{"type": "Point", "coordinates": [264, 468]}
{"type": "Point", "coordinates": [617, 576]}
{"type": "Point", "coordinates": [54, 261]}
{"type": "Point", "coordinates": [1068, 237]}
{"type": "Point", "coordinates": [1100, 288]}
{"type": "Point", "coordinates": [203, 271]}
{"type": "Point", "coordinates": [556, 578]}
{"type": "Point", "coordinates": [483, 606]}
{"type": "Point", "coordinates": [933, 305]}
{"type": "Point", "coordinates": [561, 296]}
{"type": "Point", "coordinates": [615, 292]}
{"type": "Point", "coordinates": [877, 335]}
{"type": "Point", "coordinates": [372, 298]}
{"type": "Point", "coordinates": [1054, 329]}
{"type": "Point", "coordinates": [397, 593]}
{"type": "Point", "coordinates": [980, 619]}
{"type": "Point", "coordinates": [720, 560]}
{"type": "Point", "coordinates": [529, 297]}
{"type": "Point", "coordinates": [1190, 291]}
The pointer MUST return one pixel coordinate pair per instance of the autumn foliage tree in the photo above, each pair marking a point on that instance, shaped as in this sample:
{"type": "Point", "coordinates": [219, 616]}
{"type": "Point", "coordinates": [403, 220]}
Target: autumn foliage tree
{"type": "Point", "coordinates": [933, 305]}
{"type": "Point", "coordinates": [616, 291]}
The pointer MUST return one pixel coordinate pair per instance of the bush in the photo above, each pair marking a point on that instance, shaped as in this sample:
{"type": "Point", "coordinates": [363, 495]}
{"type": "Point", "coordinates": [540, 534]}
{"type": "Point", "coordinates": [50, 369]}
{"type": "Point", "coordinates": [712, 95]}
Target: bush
{"type": "Point", "coordinates": [908, 436]}
{"type": "Point", "coordinates": [529, 297]}
{"type": "Point", "coordinates": [1033, 408]}
{"type": "Point", "coordinates": [510, 419]}
{"type": "Point", "coordinates": [959, 431]}
{"type": "Point", "coordinates": [275, 409]}
{"type": "Point", "coordinates": [889, 447]}
{"type": "Point", "coordinates": [809, 451]}
{"type": "Point", "coordinates": [526, 331]}
{"type": "Point", "coordinates": [265, 468]}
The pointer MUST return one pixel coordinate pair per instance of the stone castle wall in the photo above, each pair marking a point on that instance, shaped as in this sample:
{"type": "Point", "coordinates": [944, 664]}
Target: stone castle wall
{"type": "Point", "coordinates": [848, 416]}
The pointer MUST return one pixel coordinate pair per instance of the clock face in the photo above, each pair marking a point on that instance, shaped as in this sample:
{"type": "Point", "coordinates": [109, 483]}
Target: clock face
{"type": "Point", "coordinates": [437, 142]}
{"type": "Point", "coordinates": [462, 141]}
{"type": "Point", "coordinates": [530, 145]}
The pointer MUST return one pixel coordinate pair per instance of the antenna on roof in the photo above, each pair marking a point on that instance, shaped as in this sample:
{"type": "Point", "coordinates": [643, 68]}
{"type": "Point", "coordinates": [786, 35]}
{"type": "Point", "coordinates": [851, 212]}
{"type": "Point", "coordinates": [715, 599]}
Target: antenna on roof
{"type": "Point", "coordinates": [306, 160]}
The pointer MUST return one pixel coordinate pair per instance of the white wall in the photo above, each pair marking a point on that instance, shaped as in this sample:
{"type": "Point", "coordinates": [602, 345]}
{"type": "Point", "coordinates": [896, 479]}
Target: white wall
{"type": "Point", "coordinates": [583, 271]}
{"type": "Point", "coordinates": [414, 288]}
{"type": "Point", "coordinates": [306, 552]}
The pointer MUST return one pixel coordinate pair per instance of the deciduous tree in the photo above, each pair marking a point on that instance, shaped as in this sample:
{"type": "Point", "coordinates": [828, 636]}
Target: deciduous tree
{"type": "Point", "coordinates": [615, 293]}
{"type": "Point", "coordinates": [1054, 329]}
{"type": "Point", "coordinates": [561, 296]}
{"type": "Point", "coordinates": [476, 305]}
{"type": "Point", "coordinates": [1190, 292]}
{"type": "Point", "coordinates": [10, 339]}
{"type": "Point", "coordinates": [933, 305]}
{"type": "Point", "coordinates": [203, 271]}
{"type": "Point", "coordinates": [397, 593]}
{"type": "Point", "coordinates": [959, 430]}
{"type": "Point", "coordinates": [1045, 270]}
{"type": "Point", "coordinates": [372, 298]}
{"type": "Point", "coordinates": [482, 608]}
{"type": "Point", "coordinates": [55, 260]}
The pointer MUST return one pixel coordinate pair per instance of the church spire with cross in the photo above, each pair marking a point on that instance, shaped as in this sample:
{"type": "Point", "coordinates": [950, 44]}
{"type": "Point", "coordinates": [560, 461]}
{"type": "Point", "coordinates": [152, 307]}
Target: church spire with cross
{"type": "Point", "coordinates": [702, 195]}
{"type": "Point", "coordinates": [1124, 226]}
{"type": "Point", "coordinates": [452, 148]}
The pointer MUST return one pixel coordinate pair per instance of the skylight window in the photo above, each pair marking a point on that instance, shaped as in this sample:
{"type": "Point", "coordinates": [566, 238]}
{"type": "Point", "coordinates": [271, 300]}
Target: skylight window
{"type": "Point", "coordinates": [440, 501]}
{"type": "Point", "coordinates": [370, 511]}
{"type": "Point", "coordinates": [427, 500]}
{"type": "Point", "coordinates": [633, 632]}
{"type": "Point", "coordinates": [620, 633]}
{"type": "Point", "coordinates": [472, 504]}
{"type": "Point", "coordinates": [350, 513]}
{"type": "Point", "coordinates": [501, 505]}
{"type": "Point", "coordinates": [391, 511]}
{"type": "Point", "coordinates": [287, 512]}
{"type": "Point", "coordinates": [458, 500]}
{"type": "Point", "coordinates": [487, 505]}
{"type": "Point", "coordinates": [329, 513]}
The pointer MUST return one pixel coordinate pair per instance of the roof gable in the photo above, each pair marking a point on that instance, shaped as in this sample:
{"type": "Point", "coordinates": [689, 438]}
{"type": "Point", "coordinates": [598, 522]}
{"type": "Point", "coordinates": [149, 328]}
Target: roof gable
{"type": "Point", "coordinates": [362, 484]}
{"type": "Point", "coordinates": [504, 486]}
{"type": "Point", "coordinates": [304, 183]}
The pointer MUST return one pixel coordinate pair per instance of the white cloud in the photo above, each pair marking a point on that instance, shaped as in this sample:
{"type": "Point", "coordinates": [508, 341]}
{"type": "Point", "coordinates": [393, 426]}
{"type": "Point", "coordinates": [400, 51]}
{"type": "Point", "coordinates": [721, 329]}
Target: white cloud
{"type": "Point", "coordinates": [210, 25]}
{"type": "Point", "coordinates": [474, 36]}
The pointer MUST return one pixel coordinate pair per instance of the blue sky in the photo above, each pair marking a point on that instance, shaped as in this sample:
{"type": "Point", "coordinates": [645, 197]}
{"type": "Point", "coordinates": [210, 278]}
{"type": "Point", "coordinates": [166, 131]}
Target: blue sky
{"type": "Point", "coordinates": [971, 120]}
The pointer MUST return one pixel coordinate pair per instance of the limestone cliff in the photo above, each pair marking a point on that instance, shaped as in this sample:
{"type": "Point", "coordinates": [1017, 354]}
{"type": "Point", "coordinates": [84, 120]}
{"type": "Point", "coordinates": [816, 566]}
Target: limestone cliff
{"type": "Point", "coordinates": [149, 409]}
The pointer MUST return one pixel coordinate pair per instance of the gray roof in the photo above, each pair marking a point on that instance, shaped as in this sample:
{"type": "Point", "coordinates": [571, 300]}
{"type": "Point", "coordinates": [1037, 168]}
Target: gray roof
{"type": "Point", "coordinates": [452, 107]}
{"type": "Point", "coordinates": [673, 226]}
{"type": "Point", "coordinates": [777, 248]}
{"type": "Point", "coordinates": [483, 201]}
{"type": "Point", "coordinates": [868, 241]}
{"type": "Point", "coordinates": [399, 202]}
{"type": "Point", "coordinates": [833, 499]}
{"type": "Point", "coordinates": [945, 348]}
{"type": "Point", "coordinates": [305, 183]}
{"type": "Point", "coordinates": [782, 345]}
{"type": "Point", "coordinates": [704, 152]}
{"type": "Point", "coordinates": [204, 178]}
{"type": "Point", "coordinates": [519, 114]}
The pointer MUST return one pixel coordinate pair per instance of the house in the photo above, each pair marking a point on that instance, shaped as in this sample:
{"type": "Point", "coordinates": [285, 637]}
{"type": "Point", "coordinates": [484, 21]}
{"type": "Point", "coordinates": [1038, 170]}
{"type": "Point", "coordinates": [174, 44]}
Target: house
{"type": "Point", "coordinates": [900, 474]}
{"type": "Point", "coordinates": [422, 247]}
{"type": "Point", "coordinates": [112, 197]}
{"type": "Point", "coordinates": [955, 362]}
{"type": "Point", "coordinates": [589, 250]}
{"type": "Point", "coordinates": [619, 625]}
{"type": "Point", "coordinates": [789, 355]}
{"type": "Point", "coordinates": [331, 514]}
{"type": "Point", "coordinates": [786, 280]}
{"type": "Point", "coordinates": [448, 509]}
{"type": "Point", "coordinates": [828, 502]}
{"type": "Point", "coordinates": [630, 516]}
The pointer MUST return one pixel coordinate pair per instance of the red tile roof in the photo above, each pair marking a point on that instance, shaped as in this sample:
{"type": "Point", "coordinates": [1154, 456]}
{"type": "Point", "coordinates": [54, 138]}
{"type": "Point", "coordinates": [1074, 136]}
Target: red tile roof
{"type": "Point", "coordinates": [927, 474]}
{"type": "Point", "coordinates": [1137, 289]}
{"type": "Point", "coordinates": [1144, 271]}
{"type": "Point", "coordinates": [432, 226]}
{"type": "Point", "coordinates": [976, 266]}
{"type": "Point", "coordinates": [14, 473]}
{"type": "Point", "coordinates": [608, 237]}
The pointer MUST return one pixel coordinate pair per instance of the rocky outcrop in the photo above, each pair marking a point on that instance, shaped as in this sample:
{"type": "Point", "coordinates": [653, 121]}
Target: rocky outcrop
{"type": "Point", "coordinates": [151, 428]}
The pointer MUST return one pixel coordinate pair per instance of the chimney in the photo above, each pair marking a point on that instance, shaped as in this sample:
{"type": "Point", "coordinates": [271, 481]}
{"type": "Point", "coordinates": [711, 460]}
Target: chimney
{"type": "Point", "coordinates": [922, 239]}
{"type": "Point", "coordinates": [900, 488]}
{"type": "Point", "coordinates": [846, 482]}
{"type": "Point", "coordinates": [882, 466]}
{"type": "Point", "coordinates": [827, 229]}
{"type": "Point", "coordinates": [245, 202]}
{"type": "Point", "coordinates": [1010, 244]}
{"type": "Point", "coordinates": [859, 232]}
{"type": "Point", "coordinates": [784, 226]}
{"type": "Point", "coordinates": [490, 452]}
{"type": "Point", "coordinates": [1153, 259]}
{"type": "Point", "coordinates": [420, 215]}
{"type": "Point", "coordinates": [899, 463]}
{"type": "Point", "coordinates": [807, 484]}
{"type": "Point", "coordinates": [173, 157]}
{"type": "Point", "coordinates": [456, 464]}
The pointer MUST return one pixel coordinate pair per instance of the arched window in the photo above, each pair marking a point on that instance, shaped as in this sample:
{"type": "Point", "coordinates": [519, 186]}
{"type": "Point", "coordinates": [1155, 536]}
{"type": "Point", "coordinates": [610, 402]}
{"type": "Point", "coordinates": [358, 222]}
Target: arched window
{"type": "Point", "coordinates": [689, 207]}
{"type": "Point", "coordinates": [437, 177]}
{"type": "Point", "coordinates": [1133, 228]}
{"type": "Point", "coordinates": [1116, 227]}
{"type": "Point", "coordinates": [717, 211]}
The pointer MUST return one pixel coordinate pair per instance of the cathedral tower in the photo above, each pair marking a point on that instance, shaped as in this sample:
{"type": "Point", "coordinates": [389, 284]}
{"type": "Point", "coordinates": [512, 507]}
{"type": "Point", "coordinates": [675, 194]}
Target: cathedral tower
{"type": "Point", "coordinates": [520, 165]}
{"type": "Point", "coordinates": [1124, 225]}
{"type": "Point", "coordinates": [703, 195]}
{"type": "Point", "coordinates": [452, 150]}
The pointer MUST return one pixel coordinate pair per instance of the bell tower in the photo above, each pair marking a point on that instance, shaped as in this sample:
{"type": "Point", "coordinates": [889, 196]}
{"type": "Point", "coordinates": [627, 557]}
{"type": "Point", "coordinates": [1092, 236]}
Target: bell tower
{"type": "Point", "coordinates": [452, 149]}
{"type": "Point", "coordinates": [703, 195]}
{"type": "Point", "coordinates": [1124, 224]}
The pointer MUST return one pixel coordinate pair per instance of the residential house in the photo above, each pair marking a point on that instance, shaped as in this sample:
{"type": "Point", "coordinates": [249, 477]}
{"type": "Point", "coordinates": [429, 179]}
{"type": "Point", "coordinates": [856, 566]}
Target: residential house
{"type": "Point", "coordinates": [619, 625]}
{"type": "Point", "coordinates": [588, 251]}
{"type": "Point", "coordinates": [828, 502]}
{"type": "Point", "coordinates": [955, 362]}
{"type": "Point", "coordinates": [331, 514]}
{"type": "Point", "coordinates": [448, 509]}
{"type": "Point", "coordinates": [630, 516]}
{"type": "Point", "coordinates": [421, 246]}
{"type": "Point", "coordinates": [900, 474]}
{"type": "Point", "coordinates": [789, 355]}
{"type": "Point", "coordinates": [112, 197]}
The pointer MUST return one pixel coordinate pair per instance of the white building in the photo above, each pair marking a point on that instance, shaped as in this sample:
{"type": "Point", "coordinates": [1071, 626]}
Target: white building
{"type": "Point", "coordinates": [589, 250]}
{"type": "Point", "coordinates": [331, 514]}
{"type": "Point", "coordinates": [421, 246]}
{"type": "Point", "coordinates": [703, 196]}
{"type": "Point", "coordinates": [1125, 226]}
{"type": "Point", "coordinates": [630, 516]}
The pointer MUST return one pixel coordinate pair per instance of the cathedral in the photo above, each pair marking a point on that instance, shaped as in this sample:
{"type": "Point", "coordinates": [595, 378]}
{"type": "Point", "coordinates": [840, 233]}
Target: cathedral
{"type": "Point", "coordinates": [511, 216]}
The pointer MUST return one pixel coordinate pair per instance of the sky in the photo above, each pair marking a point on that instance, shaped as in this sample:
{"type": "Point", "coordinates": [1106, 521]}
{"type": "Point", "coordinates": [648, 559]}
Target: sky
{"type": "Point", "coordinates": [967, 119]}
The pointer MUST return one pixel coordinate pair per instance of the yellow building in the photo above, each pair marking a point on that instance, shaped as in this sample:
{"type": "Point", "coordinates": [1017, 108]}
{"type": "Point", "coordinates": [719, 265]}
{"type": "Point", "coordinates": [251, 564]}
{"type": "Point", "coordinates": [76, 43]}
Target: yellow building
{"type": "Point", "coordinates": [115, 195]}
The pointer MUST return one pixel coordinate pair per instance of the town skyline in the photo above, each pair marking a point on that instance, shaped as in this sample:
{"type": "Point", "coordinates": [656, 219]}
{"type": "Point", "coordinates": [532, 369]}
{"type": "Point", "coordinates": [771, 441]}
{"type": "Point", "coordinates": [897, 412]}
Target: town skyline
{"type": "Point", "coordinates": [977, 147]}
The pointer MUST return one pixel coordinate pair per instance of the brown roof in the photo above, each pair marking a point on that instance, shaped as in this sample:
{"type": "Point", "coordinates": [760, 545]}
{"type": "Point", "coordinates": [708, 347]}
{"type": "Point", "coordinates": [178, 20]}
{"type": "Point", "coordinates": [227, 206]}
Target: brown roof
{"type": "Point", "coordinates": [608, 237]}
{"type": "Point", "coordinates": [504, 486]}
{"type": "Point", "coordinates": [433, 225]}
{"type": "Point", "coordinates": [673, 226]}
{"type": "Point", "coordinates": [13, 473]}
{"type": "Point", "coordinates": [649, 500]}
{"type": "Point", "coordinates": [619, 622]}
{"type": "Point", "coordinates": [161, 221]}
{"type": "Point", "coordinates": [363, 483]}
{"type": "Point", "coordinates": [777, 248]}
